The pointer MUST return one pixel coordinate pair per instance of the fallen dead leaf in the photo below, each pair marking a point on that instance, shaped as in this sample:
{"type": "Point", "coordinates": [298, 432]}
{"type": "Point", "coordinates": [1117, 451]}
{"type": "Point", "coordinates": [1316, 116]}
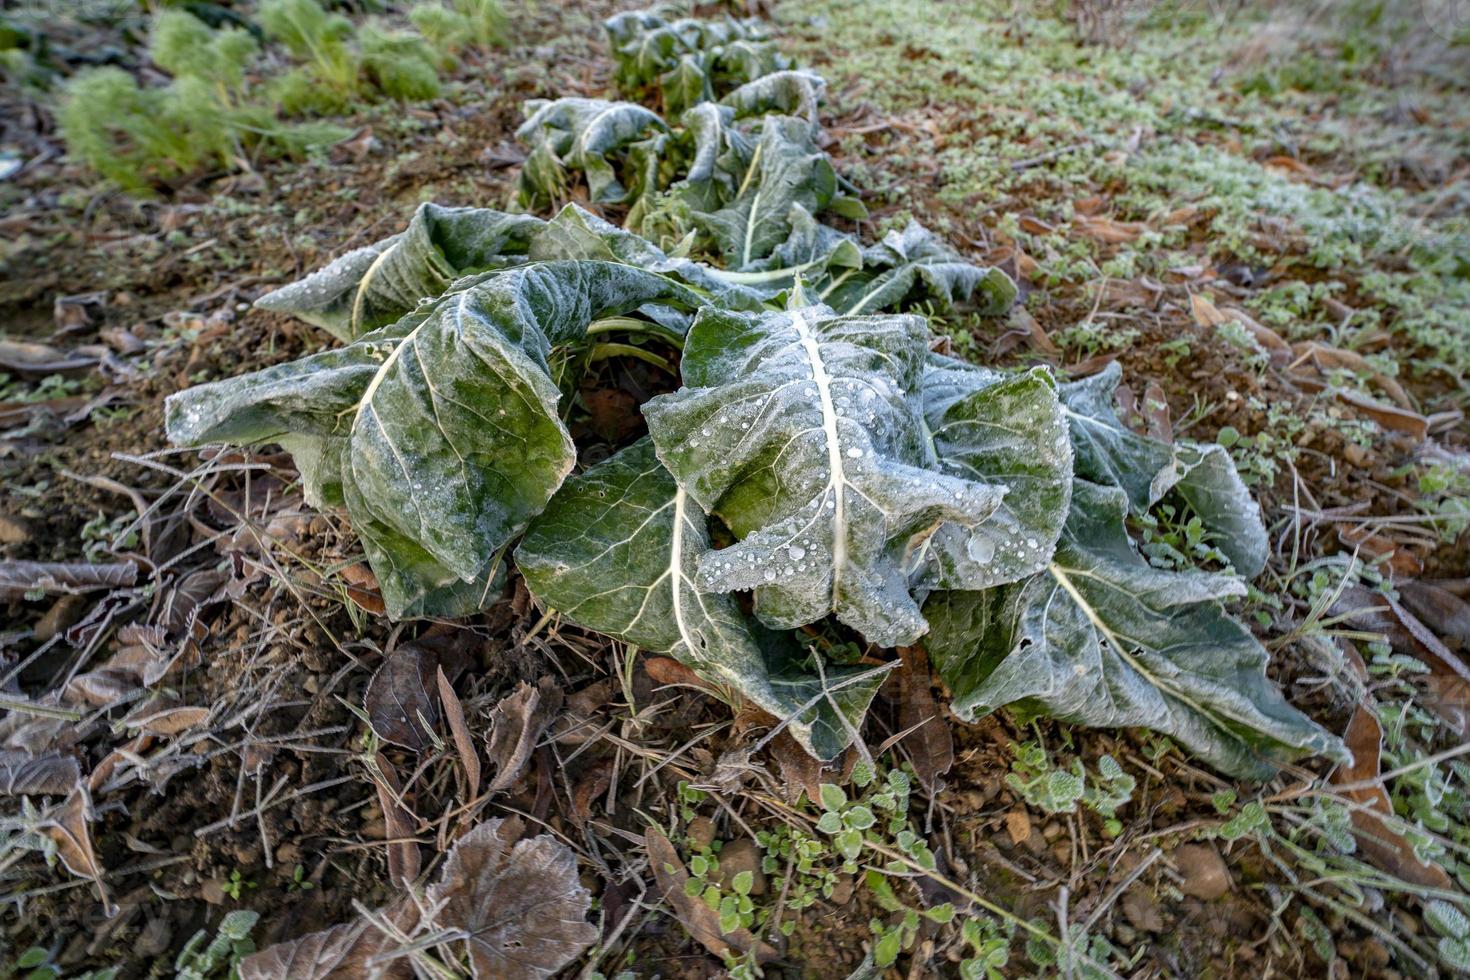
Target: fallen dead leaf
{"type": "Point", "coordinates": [516, 724]}
{"type": "Point", "coordinates": [342, 952]}
{"type": "Point", "coordinates": [929, 743]}
{"type": "Point", "coordinates": [67, 826]}
{"type": "Point", "coordinates": [17, 578]}
{"type": "Point", "coordinates": [590, 786]}
{"type": "Point", "coordinates": [404, 860]}
{"type": "Point", "coordinates": [156, 720]}
{"type": "Point", "coordinates": [52, 774]}
{"type": "Point", "coordinates": [800, 772]}
{"type": "Point", "coordinates": [518, 903]}
{"type": "Point", "coordinates": [1382, 846]}
{"type": "Point", "coordinates": [362, 588]}
{"type": "Point", "coordinates": [463, 744]}
{"type": "Point", "coordinates": [1018, 826]}
{"type": "Point", "coordinates": [1108, 231]}
{"type": "Point", "coordinates": [701, 921]}
{"type": "Point", "coordinates": [402, 699]}
{"type": "Point", "coordinates": [1312, 356]}
{"type": "Point", "coordinates": [1388, 417]}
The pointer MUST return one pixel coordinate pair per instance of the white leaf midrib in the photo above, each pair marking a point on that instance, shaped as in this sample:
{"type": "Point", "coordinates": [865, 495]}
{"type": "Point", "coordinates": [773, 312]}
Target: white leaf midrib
{"type": "Point", "coordinates": [837, 474]}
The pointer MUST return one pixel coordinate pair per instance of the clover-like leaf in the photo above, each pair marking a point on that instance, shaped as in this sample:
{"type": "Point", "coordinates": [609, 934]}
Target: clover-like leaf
{"type": "Point", "coordinates": [375, 285]}
{"type": "Point", "coordinates": [803, 431]}
{"type": "Point", "coordinates": [913, 265]}
{"type": "Point", "coordinates": [1104, 639]}
{"type": "Point", "coordinates": [1007, 430]}
{"type": "Point", "coordinates": [616, 146]}
{"type": "Point", "coordinates": [518, 903]}
{"type": "Point", "coordinates": [617, 550]}
{"type": "Point", "coordinates": [453, 439]}
{"type": "Point", "coordinates": [1110, 453]}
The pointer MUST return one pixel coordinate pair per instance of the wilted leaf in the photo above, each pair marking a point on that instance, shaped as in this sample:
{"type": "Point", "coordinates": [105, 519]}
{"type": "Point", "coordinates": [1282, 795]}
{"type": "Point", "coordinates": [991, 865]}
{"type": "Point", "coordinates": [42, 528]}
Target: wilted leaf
{"type": "Point", "coordinates": [1108, 452]}
{"type": "Point", "coordinates": [1104, 639]}
{"type": "Point", "coordinates": [516, 724]}
{"type": "Point", "coordinates": [803, 431]}
{"type": "Point", "coordinates": [618, 549]}
{"type": "Point", "coordinates": [785, 169]}
{"type": "Point", "coordinates": [52, 774]}
{"type": "Point", "coordinates": [17, 578]}
{"type": "Point", "coordinates": [1007, 431]}
{"type": "Point", "coordinates": [342, 952]}
{"type": "Point", "coordinates": [519, 902]}
{"type": "Point", "coordinates": [702, 922]}
{"type": "Point", "coordinates": [785, 93]}
{"type": "Point", "coordinates": [616, 145]}
{"type": "Point", "coordinates": [440, 433]}
{"type": "Point", "coordinates": [916, 265]}
{"type": "Point", "coordinates": [373, 286]}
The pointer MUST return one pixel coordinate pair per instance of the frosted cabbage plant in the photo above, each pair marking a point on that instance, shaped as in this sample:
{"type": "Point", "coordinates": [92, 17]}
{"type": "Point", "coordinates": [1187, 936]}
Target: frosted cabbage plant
{"type": "Point", "coordinates": [818, 456]}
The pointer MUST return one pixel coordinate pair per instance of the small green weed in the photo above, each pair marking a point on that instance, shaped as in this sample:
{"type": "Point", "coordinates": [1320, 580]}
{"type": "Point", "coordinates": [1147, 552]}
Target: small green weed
{"type": "Point", "coordinates": [203, 958]}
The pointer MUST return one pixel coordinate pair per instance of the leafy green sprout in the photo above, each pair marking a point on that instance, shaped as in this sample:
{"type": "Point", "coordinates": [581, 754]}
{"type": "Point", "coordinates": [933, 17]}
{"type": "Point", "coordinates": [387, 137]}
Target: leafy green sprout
{"type": "Point", "coordinates": [203, 958]}
{"type": "Point", "coordinates": [1053, 790]}
{"type": "Point", "coordinates": [299, 881]}
{"type": "Point", "coordinates": [237, 885]}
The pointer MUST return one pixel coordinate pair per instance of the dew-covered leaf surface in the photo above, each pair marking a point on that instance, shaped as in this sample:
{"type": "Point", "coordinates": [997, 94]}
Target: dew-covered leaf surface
{"type": "Point", "coordinates": [1104, 639]}
{"type": "Point", "coordinates": [803, 431]}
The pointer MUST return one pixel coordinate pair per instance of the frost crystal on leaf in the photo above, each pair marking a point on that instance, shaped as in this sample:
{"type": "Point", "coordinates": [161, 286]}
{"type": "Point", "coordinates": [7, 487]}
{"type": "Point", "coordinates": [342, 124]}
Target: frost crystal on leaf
{"type": "Point", "coordinates": [1104, 639]}
{"type": "Point", "coordinates": [1110, 453]}
{"type": "Point", "coordinates": [617, 550]}
{"type": "Point", "coordinates": [1007, 430]}
{"type": "Point", "coordinates": [803, 431]}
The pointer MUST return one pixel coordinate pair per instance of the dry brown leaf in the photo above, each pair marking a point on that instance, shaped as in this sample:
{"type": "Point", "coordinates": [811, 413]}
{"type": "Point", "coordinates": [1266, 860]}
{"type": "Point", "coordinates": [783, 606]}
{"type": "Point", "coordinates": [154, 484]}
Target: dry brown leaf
{"type": "Point", "coordinates": [701, 921]}
{"type": "Point", "coordinates": [67, 826]}
{"type": "Point", "coordinates": [929, 743]}
{"type": "Point", "coordinates": [1272, 342]}
{"type": "Point", "coordinates": [402, 701]}
{"type": "Point", "coordinates": [1311, 354]}
{"type": "Point", "coordinates": [1204, 311]}
{"type": "Point", "coordinates": [27, 357]}
{"type": "Point", "coordinates": [667, 670]}
{"type": "Point", "coordinates": [516, 723]}
{"type": "Point", "coordinates": [800, 772]}
{"type": "Point", "coordinates": [454, 714]}
{"type": "Point", "coordinates": [1108, 231]}
{"type": "Point", "coordinates": [53, 578]}
{"type": "Point", "coordinates": [127, 752]}
{"type": "Point", "coordinates": [519, 903]}
{"type": "Point", "coordinates": [591, 785]}
{"type": "Point", "coordinates": [339, 953]}
{"type": "Point", "coordinates": [52, 774]}
{"type": "Point", "coordinates": [1037, 336]}
{"type": "Point", "coordinates": [1378, 544]}
{"type": "Point", "coordinates": [1388, 417]}
{"type": "Point", "coordinates": [362, 588]}
{"type": "Point", "coordinates": [1382, 846]}
{"type": "Point", "coordinates": [404, 860]}
{"type": "Point", "coordinates": [167, 720]}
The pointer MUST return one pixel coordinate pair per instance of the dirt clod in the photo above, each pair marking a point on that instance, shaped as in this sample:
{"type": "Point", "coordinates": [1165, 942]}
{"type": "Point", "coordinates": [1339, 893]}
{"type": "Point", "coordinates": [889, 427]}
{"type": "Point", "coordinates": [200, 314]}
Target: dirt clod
{"type": "Point", "coordinates": [1205, 875]}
